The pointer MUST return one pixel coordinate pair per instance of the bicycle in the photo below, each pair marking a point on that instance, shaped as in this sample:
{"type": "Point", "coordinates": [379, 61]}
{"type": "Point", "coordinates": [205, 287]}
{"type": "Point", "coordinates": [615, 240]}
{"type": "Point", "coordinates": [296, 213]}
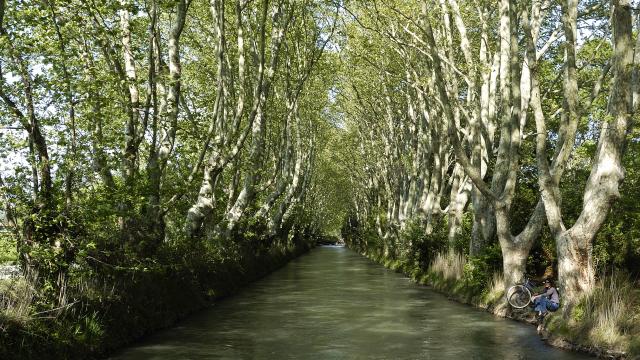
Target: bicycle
{"type": "Point", "coordinates": [519, 295]}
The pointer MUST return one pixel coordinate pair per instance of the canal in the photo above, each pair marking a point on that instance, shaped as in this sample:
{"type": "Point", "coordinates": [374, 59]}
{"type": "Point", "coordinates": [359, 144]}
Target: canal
{"type": "Point", "coordinates": [332, 303]}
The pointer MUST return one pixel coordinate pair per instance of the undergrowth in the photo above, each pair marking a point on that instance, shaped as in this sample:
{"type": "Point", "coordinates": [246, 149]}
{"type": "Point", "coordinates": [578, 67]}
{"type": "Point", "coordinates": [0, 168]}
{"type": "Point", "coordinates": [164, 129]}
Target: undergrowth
{"type": "Point", "coordinates": [608, 317]}
{"type": "Point", "coordinates": [110, 305]}
{"type": "Point", "coordinates": [16, 298]}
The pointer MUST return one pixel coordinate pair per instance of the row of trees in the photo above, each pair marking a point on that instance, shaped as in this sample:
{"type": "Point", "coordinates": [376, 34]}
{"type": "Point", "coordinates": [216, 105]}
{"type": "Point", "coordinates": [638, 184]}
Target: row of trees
{"type": "Point", "coordinates": [462, 108]}
{"type": "Point", "coordinates": [129, 125]}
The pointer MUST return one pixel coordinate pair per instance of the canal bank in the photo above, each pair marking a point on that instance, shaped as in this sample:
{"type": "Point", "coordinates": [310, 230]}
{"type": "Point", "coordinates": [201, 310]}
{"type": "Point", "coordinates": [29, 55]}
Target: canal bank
{"type": "Point", "coordinates": [491, 301]}
{"type": "Point", "coordinates": [139, 302]}
{"type": "Point", "coordinates": [332, 303]}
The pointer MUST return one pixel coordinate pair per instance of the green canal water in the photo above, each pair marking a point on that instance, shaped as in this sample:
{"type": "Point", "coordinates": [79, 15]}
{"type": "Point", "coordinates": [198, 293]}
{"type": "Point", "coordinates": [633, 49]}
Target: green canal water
{"type": "Point", "coordinates": [332, 303]}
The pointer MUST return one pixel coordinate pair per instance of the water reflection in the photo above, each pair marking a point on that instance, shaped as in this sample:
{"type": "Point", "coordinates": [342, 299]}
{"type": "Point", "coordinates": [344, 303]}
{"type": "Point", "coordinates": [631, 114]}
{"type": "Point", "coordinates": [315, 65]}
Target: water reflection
{"type": "Point", "coordinates": [334, 304]}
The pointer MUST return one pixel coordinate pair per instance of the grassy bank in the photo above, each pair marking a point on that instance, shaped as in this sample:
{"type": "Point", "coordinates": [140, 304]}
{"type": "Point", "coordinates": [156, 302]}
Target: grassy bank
{"type": "Point", "coordinates": [118, 305]}
{"type": "Point", "coordinates": [608, 318]}
{"type": "Point", "coordinates": [606, 323]}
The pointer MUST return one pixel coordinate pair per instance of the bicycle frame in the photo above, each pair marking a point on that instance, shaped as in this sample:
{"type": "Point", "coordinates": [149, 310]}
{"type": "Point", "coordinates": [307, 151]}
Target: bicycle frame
{"type": "Point", "coordinates": [529, 284]}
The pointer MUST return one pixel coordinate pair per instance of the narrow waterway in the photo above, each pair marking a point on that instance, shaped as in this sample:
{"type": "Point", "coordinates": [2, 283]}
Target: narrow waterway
{"type": "Point", "coordinates": [333, 303]}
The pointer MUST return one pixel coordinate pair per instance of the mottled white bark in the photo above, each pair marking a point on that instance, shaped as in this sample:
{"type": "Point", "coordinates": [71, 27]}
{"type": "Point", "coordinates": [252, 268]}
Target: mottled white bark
{"type": "Point", "coordinates": [460, 194]}
{"type": "Point", "coordinates": [228, 141]}
{"type": "Point", "coordinates": [501, 192]}
{"type": "Point", "coordinates": [247, 194]}
{"type": "Point", "coordinates": [575, 266]}
{"type": "Point", "coordinates": [130, 152]}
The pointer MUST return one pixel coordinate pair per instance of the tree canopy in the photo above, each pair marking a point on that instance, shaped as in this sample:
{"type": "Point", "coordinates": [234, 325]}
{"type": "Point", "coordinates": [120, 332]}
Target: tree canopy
{"type": "Point", "coordinates": [131, 129]}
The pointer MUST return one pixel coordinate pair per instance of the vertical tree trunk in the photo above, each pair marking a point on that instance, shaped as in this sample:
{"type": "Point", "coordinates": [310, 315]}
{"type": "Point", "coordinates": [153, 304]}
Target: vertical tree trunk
{"type": "Point", "coordinates": [168, 113]}
{"type": "Point", "coordinates": [130, 152]}
{"type": "Point", "coordinates": [68, 93]}
{"type": "Point", "coordinates": [575, 266]}
{"type": "Point", "coordinates": [574, 246]}
{"type": "Point", "coordinates": [460, 193]}
{"type": "Point", "coordinates": [247, 193]}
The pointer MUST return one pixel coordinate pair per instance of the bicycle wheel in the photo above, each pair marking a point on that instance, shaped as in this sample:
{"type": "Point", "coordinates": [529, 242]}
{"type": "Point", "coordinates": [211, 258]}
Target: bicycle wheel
{"type": "Point", "coordinates": [519, 296]}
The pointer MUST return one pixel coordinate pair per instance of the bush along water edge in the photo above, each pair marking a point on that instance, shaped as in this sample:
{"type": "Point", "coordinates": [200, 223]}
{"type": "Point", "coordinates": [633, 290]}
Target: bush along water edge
{"type": "Point", "coordinates": [120, 305]}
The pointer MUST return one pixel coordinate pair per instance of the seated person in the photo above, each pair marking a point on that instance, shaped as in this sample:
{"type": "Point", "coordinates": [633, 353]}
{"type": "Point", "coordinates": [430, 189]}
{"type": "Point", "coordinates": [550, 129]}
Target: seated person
{"type": "Point", "coordinates": [548, 300]}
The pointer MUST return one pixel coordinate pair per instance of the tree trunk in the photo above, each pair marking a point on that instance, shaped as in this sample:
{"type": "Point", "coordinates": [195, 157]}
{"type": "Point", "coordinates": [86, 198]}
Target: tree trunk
{"type": "Point", "coordinates": [575, 266]}
{"type": "Point", "coordinates": [460, 193]}
{"type": "Point", "coordinates": [574, 246]}
{"type": "Point", "coordinates": [247, 194]}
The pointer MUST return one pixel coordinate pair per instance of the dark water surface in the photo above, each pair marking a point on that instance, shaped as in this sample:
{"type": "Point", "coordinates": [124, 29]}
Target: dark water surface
{"type": "Point", "coordinates": [333, 303]}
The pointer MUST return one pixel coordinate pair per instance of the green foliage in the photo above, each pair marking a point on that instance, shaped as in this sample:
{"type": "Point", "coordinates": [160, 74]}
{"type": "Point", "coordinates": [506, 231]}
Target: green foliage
{"type": "Point", "coordinates": [418, 247]}
{"type": "Point", "coordinates": [117, 303]}
{"type": "Point", "coordinates": [332, 193]}
{"type": "Point", "coordinates": [8, 252]}
{"type": "Point", "coordinates": [634, 347]}
{"type": "Point", "coordinates": [361, 239]}
{"type": "Point", "coordinates": [479, 270]}
{"type": "Point", "coordinates": [462, 238]}
{"type": "Point", "coordinates": [112, 228]}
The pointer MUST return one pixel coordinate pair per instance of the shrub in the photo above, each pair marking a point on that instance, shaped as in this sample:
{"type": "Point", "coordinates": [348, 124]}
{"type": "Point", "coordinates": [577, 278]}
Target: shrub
{"type": "Point", "coordinates": [610, 309]}
{"type": "Point", "coordinates": [463, 236]}
{"type": "Point", "coordinates": [479, 271]}
{"type": "Point", "coordinates": [420, 248]}
{"type": "Point", "coordinates": [7, 248]}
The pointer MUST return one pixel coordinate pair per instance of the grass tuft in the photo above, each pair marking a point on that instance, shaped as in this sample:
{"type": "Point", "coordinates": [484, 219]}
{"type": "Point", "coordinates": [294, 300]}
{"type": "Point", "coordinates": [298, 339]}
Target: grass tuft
{"type": "Point", "coordinates": [16, 297]}
{"type": "Point", "coordinates": [608, 317]}
{"type": "Point", "coordinates": [610, 309]}
{"type": "Point", "coordinates": [495, 291]}
{"type": "Point", "coordinates": [449, 265]}
{"type": "Point", "coordinates": [447, 273]}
